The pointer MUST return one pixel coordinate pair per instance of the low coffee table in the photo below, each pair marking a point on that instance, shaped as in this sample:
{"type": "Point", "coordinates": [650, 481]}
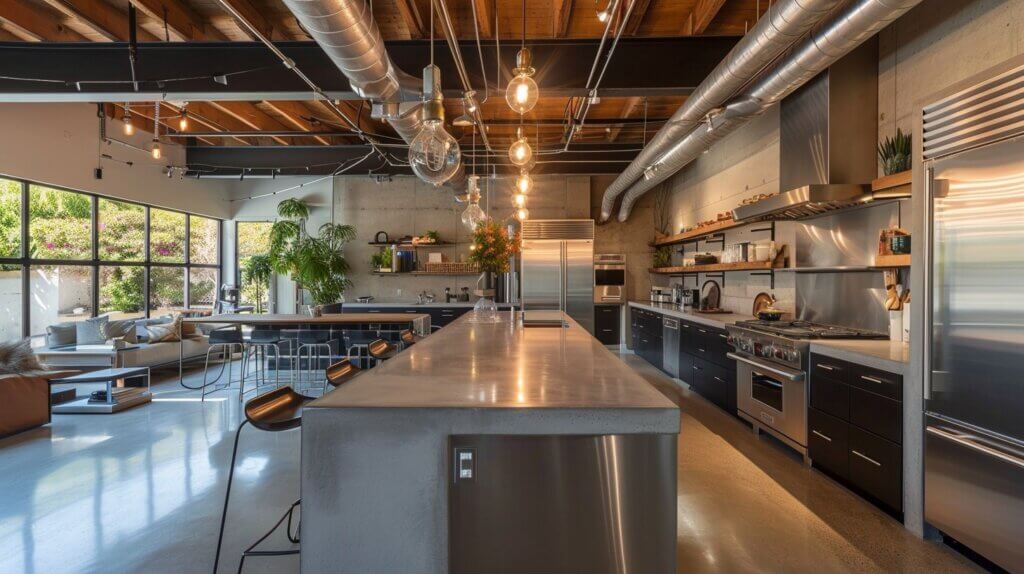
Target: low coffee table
{"type": "Point", "coordinates": [106, 377]}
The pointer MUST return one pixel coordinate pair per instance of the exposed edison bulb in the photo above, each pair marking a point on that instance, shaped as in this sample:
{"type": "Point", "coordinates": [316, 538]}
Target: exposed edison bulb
{"type": "Point", "coordinates": [524, 183]}
{"type": "Point", "coordinates": [434, 154]}
{"type": "Point", "coordinates": [183, 122]}
{"type": "Point", "coordinates": [519, 199]}
{"type": "Point", "coordinates": [520, 152]}
{"type": "Point", "coordinates": [522, 93]}
{"type": "Point", "coordinates": [129, 127]}
{"type": "Point", "coordinates": [473, 216]}
{"type": "Point", "coordinates": [157, 153]}
{"type": "Point", "coordinates": [522, 214]}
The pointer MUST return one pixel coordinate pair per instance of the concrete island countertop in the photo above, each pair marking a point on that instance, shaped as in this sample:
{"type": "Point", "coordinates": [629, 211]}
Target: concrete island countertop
{"type": "Point", "coordinates": [718, 320]}
{"type": "Point", "coordinates": [892, 356]}
{"type": "Point", "coordinates": [375, 452]}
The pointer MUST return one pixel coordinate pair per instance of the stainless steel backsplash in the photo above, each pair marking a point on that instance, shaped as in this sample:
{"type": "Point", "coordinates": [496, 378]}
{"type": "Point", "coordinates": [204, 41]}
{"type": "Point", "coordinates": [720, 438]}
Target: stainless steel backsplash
{"type": "Point", "coordinates": [844, 239]}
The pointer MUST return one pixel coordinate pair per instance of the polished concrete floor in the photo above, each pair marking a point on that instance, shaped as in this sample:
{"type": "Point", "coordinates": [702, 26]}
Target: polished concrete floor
{"type": "Point", "coordinates": [141, 491]}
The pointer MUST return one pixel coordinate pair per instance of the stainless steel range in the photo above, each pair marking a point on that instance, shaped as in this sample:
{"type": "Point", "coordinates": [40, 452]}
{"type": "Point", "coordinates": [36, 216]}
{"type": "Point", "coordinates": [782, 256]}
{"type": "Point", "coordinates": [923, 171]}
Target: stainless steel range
{"type": "Point", "coordinates": [771, 373]}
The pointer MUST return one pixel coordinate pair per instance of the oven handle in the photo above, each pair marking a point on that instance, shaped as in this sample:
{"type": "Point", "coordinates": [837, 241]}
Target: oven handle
{"type": "Point", "coordinates": [788, 374]}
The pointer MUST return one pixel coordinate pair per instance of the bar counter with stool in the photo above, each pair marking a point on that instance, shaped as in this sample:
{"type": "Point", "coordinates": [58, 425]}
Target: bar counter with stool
{"type": "Point", "coordinates": [491, 447]}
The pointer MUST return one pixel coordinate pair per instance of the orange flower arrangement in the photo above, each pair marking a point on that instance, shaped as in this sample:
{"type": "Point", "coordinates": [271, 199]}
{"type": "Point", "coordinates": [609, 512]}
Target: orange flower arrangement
{"type": "Point", "coordinates": [492, 246]}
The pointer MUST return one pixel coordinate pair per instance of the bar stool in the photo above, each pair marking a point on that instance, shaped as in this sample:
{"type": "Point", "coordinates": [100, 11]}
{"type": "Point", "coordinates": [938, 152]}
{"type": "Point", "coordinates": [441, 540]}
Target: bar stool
{"type": "Point", "coordinates": [340, 373]}
{"type": "Point", "coordinates": [409, 338]}
{"type": "Point", "coordinates": [274, 411]}
{"type": "Point", "coordinates": [263, 340]}
{"type": "Point", "coordinates": [312, 344]}
{"type": "Point", "coordinates": [224, 341]}
{"type": "Point", "coordinates": [381, 350]}
{"type": "Point", "coordinates": [357, 340]}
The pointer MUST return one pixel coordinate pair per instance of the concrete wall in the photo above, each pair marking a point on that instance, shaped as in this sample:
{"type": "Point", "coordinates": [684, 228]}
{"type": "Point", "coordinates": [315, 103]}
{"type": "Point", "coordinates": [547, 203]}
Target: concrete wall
{"type": "Point", "coordinates": [407, 206]}
{"type": "Point", "coordinates": [631, 238]}
{"type": "Point", "coordinates": [58, 144]}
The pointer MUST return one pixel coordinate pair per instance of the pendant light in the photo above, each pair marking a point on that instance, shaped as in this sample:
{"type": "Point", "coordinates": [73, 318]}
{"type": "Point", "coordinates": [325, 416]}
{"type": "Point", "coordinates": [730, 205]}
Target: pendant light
{"type": "Point", "coordinates": [522, 91]}
{"type": "Point", "coordinates": [183, 120]}
{"type": "Point", "coordinates": [522, 214]}
{"type": "Point", "coordinates": [473, 216]}
{"type": "Point", "coordinates": [524, 183]}
{"type": "Point", "coordinates": [520, 153]}
{"type": "Point", "coordinates": [129, 128]}
{"type": "Point", "coordinates": [155, 149]}
{"type": "Point", "coordinates": [434, 154]}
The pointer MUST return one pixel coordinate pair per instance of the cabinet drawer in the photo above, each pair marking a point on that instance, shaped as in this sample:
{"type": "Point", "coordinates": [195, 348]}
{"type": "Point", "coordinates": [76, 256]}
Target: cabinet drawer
{"type": "Point", "coordinates": [877, 414]}
{"type": "Point", "coordinates": [828, 367]}
{"type": "Point", "coordinates": [878, 382]}
{"type": "Point", "coordinates": [718, 347]}
{"type": "Point", "coordinates": [876, 467]}
{"type": "Point", "coordinates": [830, 396]}
{"type": "Point", "coordinates": [686, 367]}
{"type": "Point", "coordinates": [724, 381]}
{"type": "Point", "coordinates": [827, 442]}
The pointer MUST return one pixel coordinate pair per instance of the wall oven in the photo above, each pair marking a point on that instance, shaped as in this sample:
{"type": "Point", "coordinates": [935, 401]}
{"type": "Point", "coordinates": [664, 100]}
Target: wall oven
{"type": "Point", "coordinates": [609, 278]}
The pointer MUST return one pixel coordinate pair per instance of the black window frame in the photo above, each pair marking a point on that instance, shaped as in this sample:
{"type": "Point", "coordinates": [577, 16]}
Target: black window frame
{"type": "Point", "coordinates": [95, 263]}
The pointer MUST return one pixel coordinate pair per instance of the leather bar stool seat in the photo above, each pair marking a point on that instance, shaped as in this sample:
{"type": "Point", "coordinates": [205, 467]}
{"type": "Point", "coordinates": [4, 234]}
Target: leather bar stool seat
{"type": "Point", "coordinates": [382, 350]}
{"type": "Point", "coordinates": [277, 410]}
{"type": "Point", "coordinates": [341, 372]}
{"type": "Point", "coordinates": [408, 337]}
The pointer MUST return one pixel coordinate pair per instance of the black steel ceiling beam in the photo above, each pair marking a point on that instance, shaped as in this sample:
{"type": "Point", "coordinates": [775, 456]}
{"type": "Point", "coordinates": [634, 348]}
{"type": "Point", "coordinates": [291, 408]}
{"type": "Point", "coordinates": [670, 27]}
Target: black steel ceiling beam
{"type": "Point", "coordinates": [261, 161]}
{"type": "Point", "coordinates": [101, 72]}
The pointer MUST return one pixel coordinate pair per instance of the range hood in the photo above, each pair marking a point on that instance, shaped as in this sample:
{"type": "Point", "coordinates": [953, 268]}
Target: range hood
{"type": "Point", "coordinates": [803, 202]}
{"type": "Point", "coordinates": [828, 134]}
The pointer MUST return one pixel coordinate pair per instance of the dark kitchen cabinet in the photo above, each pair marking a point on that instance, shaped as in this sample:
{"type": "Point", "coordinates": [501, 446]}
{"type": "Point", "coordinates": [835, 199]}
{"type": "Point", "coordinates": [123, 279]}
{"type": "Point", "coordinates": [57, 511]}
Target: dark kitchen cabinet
{"type": "Point", "coordinates": [855, 427]}
{"type": "Point", "coordinates": [607, 320]}
{"type": "Point", "coordinates": [439, 316]}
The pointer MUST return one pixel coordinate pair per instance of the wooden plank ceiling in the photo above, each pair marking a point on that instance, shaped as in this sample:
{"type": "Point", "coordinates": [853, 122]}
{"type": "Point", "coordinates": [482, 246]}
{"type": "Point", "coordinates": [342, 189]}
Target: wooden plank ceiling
{"type": "Point", "coordinates": [207, 20]}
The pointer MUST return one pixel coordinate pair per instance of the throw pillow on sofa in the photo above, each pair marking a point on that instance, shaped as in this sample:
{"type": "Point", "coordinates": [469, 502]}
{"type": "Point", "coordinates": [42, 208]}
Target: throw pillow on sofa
{"type": "Point", "coordinates": [165, 333]}
{"type": "Point", "coordinates": [60, 335]}
{"type": "Point", "coordinates": [119, 329]}
{"type": "Point", "coordinates": [16, 357]}
{"type": "Point", "coordinates": [91, 331]}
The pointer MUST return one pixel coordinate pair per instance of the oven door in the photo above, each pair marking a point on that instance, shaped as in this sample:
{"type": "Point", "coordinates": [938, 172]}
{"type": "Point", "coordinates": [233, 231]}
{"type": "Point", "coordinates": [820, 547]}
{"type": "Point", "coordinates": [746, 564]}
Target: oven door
{"type": "Point", "coordinates": [773, 396]}
{"type": "Point", "coordinates": [609, 283]}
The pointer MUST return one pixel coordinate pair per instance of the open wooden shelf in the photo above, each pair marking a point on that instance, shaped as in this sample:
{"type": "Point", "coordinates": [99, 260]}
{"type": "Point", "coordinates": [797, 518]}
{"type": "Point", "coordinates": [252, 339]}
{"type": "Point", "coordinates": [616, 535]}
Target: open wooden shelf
{"type": "Point", "coordinates": [416, 246]}
{"type": "Point", "coordinates": [465, 273]}
{"type": "Point", "coordinates": [778, 262]}
{"type": "Point", "coordinates": [902, 179]}
{"type": "Point", "coordinates": [892, 260]}
{"type": "Point", "coordinates": [692, 234]}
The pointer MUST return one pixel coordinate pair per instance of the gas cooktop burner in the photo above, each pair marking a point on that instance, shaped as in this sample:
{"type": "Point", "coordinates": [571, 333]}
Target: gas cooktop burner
{"type": "Point", "coordinates": [808, 330]}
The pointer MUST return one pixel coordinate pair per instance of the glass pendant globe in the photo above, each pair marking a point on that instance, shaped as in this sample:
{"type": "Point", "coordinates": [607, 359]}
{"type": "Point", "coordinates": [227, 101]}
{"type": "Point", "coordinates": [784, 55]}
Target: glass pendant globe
{"type": "Point", "coordinates": [522, 214]}
{"type": "Point", "coordinates": [519, 199]}
{"type": "Point", "coordinates": [473, 216]}
{"type": "Point", "coordinates": [522, 93]}
{"type": "Point", "coordinates": [524, 183]}
{"type": "Point", "coordinates": [434, 154]}
{"type": "Point", "coordinates": [520, 152]}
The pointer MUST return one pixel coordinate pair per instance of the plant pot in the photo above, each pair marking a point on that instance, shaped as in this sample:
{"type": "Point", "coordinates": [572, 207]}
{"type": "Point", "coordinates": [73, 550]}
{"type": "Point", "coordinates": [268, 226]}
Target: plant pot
{"type": "Point", "coordinates": [486, 281]}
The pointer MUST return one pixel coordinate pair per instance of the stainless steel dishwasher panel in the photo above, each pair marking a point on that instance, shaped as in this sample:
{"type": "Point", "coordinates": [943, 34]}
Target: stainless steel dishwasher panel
{"type": "Point", "coordinates": [562, 504]}
{"type": "Point", "coordinates": [670, 346]}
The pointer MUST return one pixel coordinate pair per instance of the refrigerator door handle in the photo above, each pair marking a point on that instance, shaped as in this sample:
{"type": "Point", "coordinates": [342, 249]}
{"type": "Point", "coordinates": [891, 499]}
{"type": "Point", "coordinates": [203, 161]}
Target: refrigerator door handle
{"type": "Point", "coordinates": [929, 207]}
{"type": "Point", "coordinates": [973, 443]}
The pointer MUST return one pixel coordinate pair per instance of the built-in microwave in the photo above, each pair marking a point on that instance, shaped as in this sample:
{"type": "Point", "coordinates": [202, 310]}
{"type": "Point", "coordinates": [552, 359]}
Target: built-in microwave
{"type": "Point", "coordinates": [609, 278]}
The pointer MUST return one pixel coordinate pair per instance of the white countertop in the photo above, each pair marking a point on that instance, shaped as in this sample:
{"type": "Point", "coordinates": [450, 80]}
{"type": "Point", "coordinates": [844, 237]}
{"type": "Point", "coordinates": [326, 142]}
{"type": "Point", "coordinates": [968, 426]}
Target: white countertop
{"type": "Point", "coordinates": [719, 320]}
{"type": "Point", "coordinates": [892, 356]}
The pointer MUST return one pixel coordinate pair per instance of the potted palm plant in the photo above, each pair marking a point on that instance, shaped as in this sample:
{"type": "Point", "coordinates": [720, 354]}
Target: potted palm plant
{"type": "Point", "coordinates": [315, 262]}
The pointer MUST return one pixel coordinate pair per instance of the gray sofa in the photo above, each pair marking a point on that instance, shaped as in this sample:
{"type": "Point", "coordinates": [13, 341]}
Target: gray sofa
{"type": "Point", "coordinates": [61, 347]}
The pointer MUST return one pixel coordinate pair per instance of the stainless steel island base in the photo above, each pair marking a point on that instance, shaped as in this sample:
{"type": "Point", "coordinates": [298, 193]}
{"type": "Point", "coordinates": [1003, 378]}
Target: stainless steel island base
{"type": "Point", "coordinates": [556, 504]}
{"type": "Point", "coordinates": [378, 465]}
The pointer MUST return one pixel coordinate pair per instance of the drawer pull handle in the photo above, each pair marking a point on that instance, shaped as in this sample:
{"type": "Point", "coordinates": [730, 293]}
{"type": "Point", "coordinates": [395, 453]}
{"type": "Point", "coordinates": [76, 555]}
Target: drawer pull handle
{"type": "Point", "coordinates": [872, 379]}
{"type": "Point", "coordinates": [828, 368]}
{"type": "Point", "coordinates": [723, 336]}
{"type": "Point", "coordinates": [719, 380]}
{"type": "Point", "coordinates": [867, 458]}
{"type": "Point", "coordinates": [701, 350]}
{"type": "Point", "coordinates": [821, 435]}
{"type": "Point", "coordinates": [696, 368]}
{"type": "Point", "coordinates": [606, 330]}
{"type": "Point", "coordinates": [702, 331]}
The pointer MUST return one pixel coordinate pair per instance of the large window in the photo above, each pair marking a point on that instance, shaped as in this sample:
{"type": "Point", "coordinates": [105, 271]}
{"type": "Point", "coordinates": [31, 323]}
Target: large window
{"type": "Point", "coordinates": [253, 238]}
{"type": "Point", "coordinates": [52, 272]}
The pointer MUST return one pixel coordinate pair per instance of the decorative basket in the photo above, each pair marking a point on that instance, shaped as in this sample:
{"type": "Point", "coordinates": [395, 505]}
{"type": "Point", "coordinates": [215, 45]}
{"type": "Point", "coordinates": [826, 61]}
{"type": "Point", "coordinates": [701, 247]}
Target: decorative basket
{"type": "Point", "coordinates": [451, 267]}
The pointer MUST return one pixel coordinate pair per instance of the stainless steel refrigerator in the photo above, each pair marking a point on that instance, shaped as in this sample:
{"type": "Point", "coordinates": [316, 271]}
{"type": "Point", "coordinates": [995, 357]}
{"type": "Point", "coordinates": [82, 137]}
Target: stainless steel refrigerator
{"type": "Point", "coordinates": [558, 268]}
{"type": "Point", "coordinates": [974, 343]}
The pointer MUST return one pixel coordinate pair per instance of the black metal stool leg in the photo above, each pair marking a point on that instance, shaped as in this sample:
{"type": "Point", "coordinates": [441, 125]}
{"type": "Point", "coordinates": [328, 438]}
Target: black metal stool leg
{"type": "Point", "coordinates": [227, 495]}
{"type": "Point", "coordinates": [251, 551]}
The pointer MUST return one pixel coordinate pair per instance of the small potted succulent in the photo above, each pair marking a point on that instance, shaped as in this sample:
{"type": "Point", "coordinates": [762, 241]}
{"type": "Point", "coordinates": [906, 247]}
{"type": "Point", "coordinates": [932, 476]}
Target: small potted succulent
{"type": "Point", "coordinates": [894, 153]}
